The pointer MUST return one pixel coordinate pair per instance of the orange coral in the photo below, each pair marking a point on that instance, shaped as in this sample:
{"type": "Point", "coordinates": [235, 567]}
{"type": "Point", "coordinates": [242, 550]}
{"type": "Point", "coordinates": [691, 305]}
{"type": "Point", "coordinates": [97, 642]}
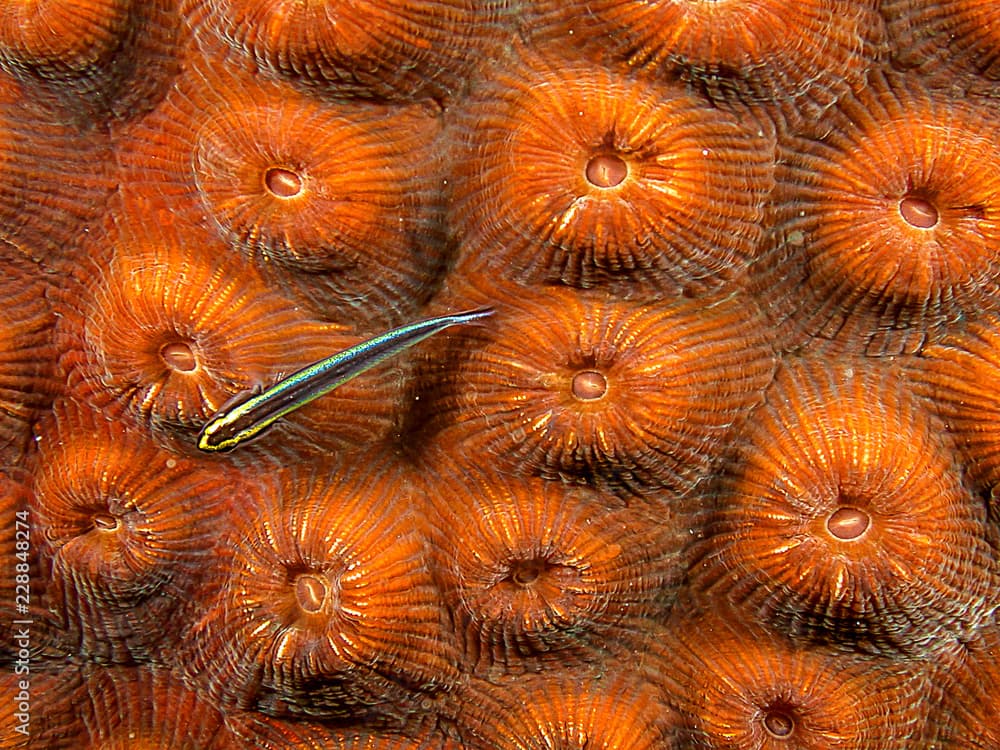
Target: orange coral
{"type": "Point", "coordinates": [141, 708]}
{"type": "Point", "coordinates": [56, 179]}
{"type": "Point", "coordinates": [59, 37]}
{"type": "Point", "coordinates": [739, 687]}
{"type": "Point", "coordinates": [603, 391]}
{"type": "Point", "coordinates": [127, 529]}
{"type": "Point", "coordinates": [91, 59]}
{"type": "Point", "coordinates": [278, 734]}
{"type": "Point", "coordinates": [733, 48]}
{"type": "Point", "coordinates": [336, 202]}
{"type": "Point", "coordinates": [21, 582]}
{"type": "Point", "coordinates": [580, 175]}
{"type": "Point", "coordinates": [896, 215]}
{"type": "Point", "coordinates": [537, 576]}
{"type": "Point", "coordinates": [968, 681]}
{"type": "Point", "coordinates": [167, 336]}
{"type": "Point", "coordinates": [390, 48]}
{"type": "Point", "coordinates": [27, 381]}
{"type": "Point", "coordinates": [595, 518]}
{"type": "Point", "coordinates": [845, 518]}
{"type": "Point", "coordinates": [570, 711]}
{"type": "Point", "coordinates": [945, 36]}
{"type": "Point", "coordinates": [62, 728]}
{"type": "Point", "coordinates": [959, 377]}
{"type": "Point", "coordinates": [324, 601]}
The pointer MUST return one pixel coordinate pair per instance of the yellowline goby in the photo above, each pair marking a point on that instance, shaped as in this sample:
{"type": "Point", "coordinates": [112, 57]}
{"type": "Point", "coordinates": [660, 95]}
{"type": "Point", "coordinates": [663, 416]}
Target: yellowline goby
{"type": "Point", "coordinates": [238, 422]}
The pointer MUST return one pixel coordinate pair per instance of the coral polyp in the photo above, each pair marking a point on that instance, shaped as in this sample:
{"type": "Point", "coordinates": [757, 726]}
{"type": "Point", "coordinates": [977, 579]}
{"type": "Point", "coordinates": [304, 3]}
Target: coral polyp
{"type": "Point", "coordinates": [166, 337]}
{"type": "Point", "coordinates": [336, 202]}
{"type": "Point", "coordinates": [314, 205]}
{"type": "Point", "coordinates": [535, 575]}
{"type": "Point", "coordinates": [91, 60]}
{"type": "Point", "coordinates": [400, 48]}
{"type": "Point", "coordinates": [59, 38]}
{"type": "Point", "coordinates": [732, 48]}
{"type": "Point", "coordinates": [326, 604]}
{"type": "Point", "coordinates": [944, 38]}
{"type": "Point", "coordinates": [126, 526]}
{"type": "Point", "coordinates": [605, 392]}
{"type": "Point", "coordinates": [590, 711]}
{"type": "Point", "coordinates": [895, 214]}
{"type": "Point", "coordinates": [844, 519]}
{"type": "Point", "coordinates": [735, 686]}
{"type": "Point", "coordinates": [568, 172]}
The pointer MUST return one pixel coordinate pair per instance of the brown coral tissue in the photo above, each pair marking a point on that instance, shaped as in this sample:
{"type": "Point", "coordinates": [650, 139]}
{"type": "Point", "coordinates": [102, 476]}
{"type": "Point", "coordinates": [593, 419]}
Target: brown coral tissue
{"type": "Point", "coordinates": [945, 37]}
{"type": "Point", "coordinates": [53, 722]}
{"type": "Point", "coordinates": [91, 58]}
{"type": "Point", "coordinates": [324, 602]}
{"type": "Point", "coordinates": [384, 48]}
{"type": "Point", "coordinates": [124, 708]}
{"type": "Point", "coordinates": [600, 391]}
{"type": "Point", "coordinates": [27, 381]}
{"type": "Point", "coordinates": [732, 49]}
{"type": "Point", "coordinates": [579, 175]}
{"type": "Point", "coordinates": [968, 682]}
{"type": "Point", "coordinates": [959, 377]}
{"type": "Point", "coordinates": [270, 733]}
{"type": "Point", "coordinates": [57, 38]}
{"type": "Point", "coordinates": [893, 217]}
{"type": "Point", "coordinates": [21, 582]}
{"type": "Point", "coordinates": [570, 711]}
{"type": "Point", "coordinates": [55, 178]}
{"type": "Point", "coordinates": [844, 517]}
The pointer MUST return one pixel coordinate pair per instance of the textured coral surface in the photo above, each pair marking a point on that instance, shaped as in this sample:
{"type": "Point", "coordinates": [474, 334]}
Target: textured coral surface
{"type": "Point", "coordinates": [721, 470]}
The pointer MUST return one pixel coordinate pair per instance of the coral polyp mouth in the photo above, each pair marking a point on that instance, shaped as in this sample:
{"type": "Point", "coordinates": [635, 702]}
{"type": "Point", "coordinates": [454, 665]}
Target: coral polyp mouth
{"type": "Point", "coordinates": [313, 592]}
{"type": "Point", "coordinates": [106, 522]}
{"type": "Point", "coordinates": [606, 171]}
{"type": "Point", "coordinates": [848, 524]}
{"type": "Point", "coordinates": [283, 183]}
{"type": "Point", "coordinates": [179, 356]}
{"type": "Point", "coordinates": [779, 724]}
{"type": "Point", "coordinates": [865, 522]}
{"type": "Point", "coordinates": [918, 212]}
{"type": "Point", "coordinates": [524, 573]}
{"type": "Point", "coordinates": [589, 385]}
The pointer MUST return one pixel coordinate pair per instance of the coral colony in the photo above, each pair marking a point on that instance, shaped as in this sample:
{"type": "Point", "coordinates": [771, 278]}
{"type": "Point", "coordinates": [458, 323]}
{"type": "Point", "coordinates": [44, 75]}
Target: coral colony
{"type": "Point", "coordinates": [719, 470]}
